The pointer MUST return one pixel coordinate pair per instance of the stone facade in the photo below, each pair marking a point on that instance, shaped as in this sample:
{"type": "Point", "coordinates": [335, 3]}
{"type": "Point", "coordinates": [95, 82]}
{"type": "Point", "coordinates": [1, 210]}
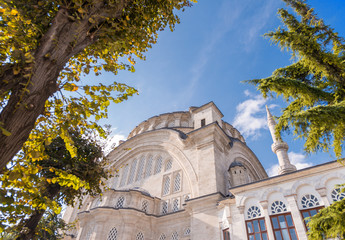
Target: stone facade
{"type": "Point", "coordinates": [190, 175]}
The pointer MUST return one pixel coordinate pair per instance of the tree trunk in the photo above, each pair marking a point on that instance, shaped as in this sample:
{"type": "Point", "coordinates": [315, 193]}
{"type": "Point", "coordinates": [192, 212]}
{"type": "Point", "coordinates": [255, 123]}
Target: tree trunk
{"type": "Point", "coordinates": [64, 39]}
{"type": "Point", "coordinates": [30, 224]}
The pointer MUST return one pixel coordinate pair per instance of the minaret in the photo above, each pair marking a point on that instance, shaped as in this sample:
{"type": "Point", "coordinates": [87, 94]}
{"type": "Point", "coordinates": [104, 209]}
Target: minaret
{"type": "Point", "coordinates": [279, 147]}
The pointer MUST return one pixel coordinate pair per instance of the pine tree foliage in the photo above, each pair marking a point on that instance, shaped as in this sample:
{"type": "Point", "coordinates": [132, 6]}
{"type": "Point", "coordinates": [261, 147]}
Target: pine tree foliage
{"type": "Point", "coordinates": [314, 84]}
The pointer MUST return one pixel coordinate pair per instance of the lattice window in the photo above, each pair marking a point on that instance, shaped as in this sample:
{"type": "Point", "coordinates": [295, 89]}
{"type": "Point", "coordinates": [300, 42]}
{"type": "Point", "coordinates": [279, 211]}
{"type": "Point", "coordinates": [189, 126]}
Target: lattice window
{"type": "Point", "coordinates": [168, 165]}
{"type": "Point", "coordinates": [337, 194]}
{"type": "Point", "coordinates": [149, 163]}
{"type": "Point", "coordinates": [140, 236]}
{"type": "Point", "coordinates": [176, 205]}
{"type": "Point", "coordinates": [112, 234]}
{"type": "Point", "coordinates": [187, 231]}
{"type": "Point", "coordinates": [124, 176]}
{"type": "Point", "coordinates": [120, 202]}
{"type": "Point", "coordinates": [171, 124]}
{"type": "Point", "coordinates": [184, 124]}
{"type": "Point", "coordinates": [278, 207]}
{"type": "Point", "coordinates": [164, 208]}
{"type": "Point", "coordinates": [144, 206]}
{"type": "Point", "coordinates": [174, 236]}
{"type": "Point", "coordinates": [140, 168]}
{"type": "Point", "coordinates": [253, 212]}
{"type": "Point", "coordinates": [309, 201]}
{"type": "Point", "coordinates": [158, 166]}
{"type": "Point", "coordinates": [177, 182]}
{"type": "Point", "coordinates": [166, 185]}
{"type": "Point", "coordinates": [132, 171]}
{"type": "Point", "coordinates": [162, 237]}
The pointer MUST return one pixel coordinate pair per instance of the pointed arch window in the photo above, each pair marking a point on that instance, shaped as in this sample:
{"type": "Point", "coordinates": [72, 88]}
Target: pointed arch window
{"type": "Point", "coordinates": [168, 165]}
{"type": "Point", "coordinates": [174, 236]}
{"type": "Point", "coordinates": [158, 166]}
{"type": "Point", "coordinates": [177, 182]}
{"type": "Point", "coordinates": [176, 205]}
{"type": "Point", "coordinates": [164, 207]}
{"type": "Point", "coordinates": [149, 163]}
{"type": "Point", "coordinates": [166, 185]}
{"type": "Point", "coordinates": [144, 206]}
{"type": "Point", "coordinates": [140, 172]}
{"type": "Point", "coordinates": [162, 237]}
{"type": "Point", "coordinates": [124, 176]}
{"type": "Point", "coordinates": [132, 171]}
{"type": "Point", "coordinates": [112, 234]}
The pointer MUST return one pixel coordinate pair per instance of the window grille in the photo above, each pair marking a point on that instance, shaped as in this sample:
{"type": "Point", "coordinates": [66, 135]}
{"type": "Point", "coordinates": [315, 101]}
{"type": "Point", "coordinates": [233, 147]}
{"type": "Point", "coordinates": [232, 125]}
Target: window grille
{"type": "Point", "coordinates": [278, 207]}
{"type": "Point", "coordinates": [162, 237]}
{"type": "Point", "coordinates": [115, 181]}
{"type": "Point", "coordinates": [253, 212]}
{"type": "Point", "coordinates": [140, 236]}
{"type": "Point", "coordinates": [158, 166]}
{"type": "Point", "coordinates": [174, 236]}
{"type": "Point", "coordinates": [171, 124]}
{"type": "Point", "coordinates": [112, 234]}
{"type": "Point", "coordinates": [177, 182]}
{"type": "Point", "coordinates": [168, 165]}
{"type": "Point", "coordinates": [337, 194]}
{"type": "Point", "coordinates": [166, 185]}
{"type": "Point", "coordinates": [124, 176]}
{"type": "Point", "coordinates": [309, 201]}
{"type": "Point", "coordinates": [175, 205]}
{"type": "Point", "coordinates": [148, 171]}
{"type": "Point", "coordinates": [187, 231]}
{"type": "Point", "coordinates": [132, 171]}
{"type": "Point", "coordinates": [141, 168]}
{"type": "Point", "coordinates": [164, 208]}
{"type": "Point", "coordinates": [144, 206]}
{"type": "Point", "coordinates": [120, 202]}
{"type": "Point", "coordinates": [184, 124]}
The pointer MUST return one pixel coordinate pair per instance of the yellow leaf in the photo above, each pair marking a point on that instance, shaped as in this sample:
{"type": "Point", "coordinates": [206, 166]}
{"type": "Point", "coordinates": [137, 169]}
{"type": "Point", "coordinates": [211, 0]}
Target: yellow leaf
{"type": "Point", "coordinates": [14, 12]}
{"type": "Point", "coordinates": [5, 132]}
{"type": "Point", "coordinates": [127, 17]}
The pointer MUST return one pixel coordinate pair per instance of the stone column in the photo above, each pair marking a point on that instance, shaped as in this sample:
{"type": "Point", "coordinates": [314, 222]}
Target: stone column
{"type": "Point", "coordinates": [323, 194]}
{"type": "Point", "coordinates": [264, 205]}
{"type": "Point", "coordinates": [297, 217]}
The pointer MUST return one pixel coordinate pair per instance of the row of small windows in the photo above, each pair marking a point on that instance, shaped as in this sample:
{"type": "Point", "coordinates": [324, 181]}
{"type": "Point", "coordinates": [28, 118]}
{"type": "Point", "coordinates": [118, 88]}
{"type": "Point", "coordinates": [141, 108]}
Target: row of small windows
{"type": "Point", "coordinates": [175, 206]}
{"type": "Point", "coordinates": [281, 220]}
{"type": "Point", "coordinates": [141, 170]}
{"type": "Point", "coordinates": [175, 187]}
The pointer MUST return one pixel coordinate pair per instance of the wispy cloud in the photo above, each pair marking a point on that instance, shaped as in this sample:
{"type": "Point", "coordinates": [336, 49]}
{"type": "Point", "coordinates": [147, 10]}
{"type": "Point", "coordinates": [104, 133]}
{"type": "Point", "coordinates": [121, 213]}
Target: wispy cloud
{"type": "Point", "coordinates": [251, 116]}
{"type": "Point", "coordinates": [297, 159]}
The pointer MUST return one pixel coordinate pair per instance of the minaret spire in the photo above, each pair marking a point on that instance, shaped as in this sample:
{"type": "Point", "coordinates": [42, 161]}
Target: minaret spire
{"type": "Point", "coordinates": [279, 147]}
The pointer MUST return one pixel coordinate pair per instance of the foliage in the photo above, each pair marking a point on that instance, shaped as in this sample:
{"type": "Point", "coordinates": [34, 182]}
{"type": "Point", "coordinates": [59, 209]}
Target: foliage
{"type": "Point", "coordinates": [34, 186]}
{"type": "Point", "coordinates": [51, 227]}
{"type": "Point", "coordinates": [329, 222]}
{"type": "Point", "coordinates": [46, 49]}
{"type": "Point", "coordinates": [314, 84]}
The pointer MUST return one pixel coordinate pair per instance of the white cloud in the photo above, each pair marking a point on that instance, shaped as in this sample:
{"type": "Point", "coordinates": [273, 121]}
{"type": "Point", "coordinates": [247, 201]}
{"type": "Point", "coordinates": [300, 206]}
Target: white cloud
{"type": "Point", "coordinates": [297, 159]}
{"type": "Point", "coordinates": [251, 116]}
{"type": "Point", "coordinates": [112, 141]}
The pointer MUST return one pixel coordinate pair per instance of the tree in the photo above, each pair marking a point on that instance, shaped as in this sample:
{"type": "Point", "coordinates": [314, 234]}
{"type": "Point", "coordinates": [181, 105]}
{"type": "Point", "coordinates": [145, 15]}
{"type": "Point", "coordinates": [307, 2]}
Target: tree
{"type": "Point", "coordinates": [56, 180]}
{"type": "Point", "coordinates": [48, 45]}
{"type": "Point", "coordinates": [314, 85]}
{"type": "Point", "coordinates": [314, 88]}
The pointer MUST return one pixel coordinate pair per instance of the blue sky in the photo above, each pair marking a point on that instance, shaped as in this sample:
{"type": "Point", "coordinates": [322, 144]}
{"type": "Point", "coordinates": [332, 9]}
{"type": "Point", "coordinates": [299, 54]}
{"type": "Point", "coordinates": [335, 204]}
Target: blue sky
{"type": "Point", "coordinates": [217, 45]}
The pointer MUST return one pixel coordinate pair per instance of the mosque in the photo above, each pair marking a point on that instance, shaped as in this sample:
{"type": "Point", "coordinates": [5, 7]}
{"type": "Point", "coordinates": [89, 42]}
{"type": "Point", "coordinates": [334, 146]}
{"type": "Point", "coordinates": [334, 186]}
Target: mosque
{"type": "Point", "coordinates": [190, 175]}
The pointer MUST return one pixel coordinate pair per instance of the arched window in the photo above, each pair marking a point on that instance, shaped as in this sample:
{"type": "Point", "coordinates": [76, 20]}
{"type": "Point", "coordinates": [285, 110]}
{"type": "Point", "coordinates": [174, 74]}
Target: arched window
{"type": "Point", "coordinates": [309, 201]}
{"type": "Point", "coordinates": [310, 206]}
{"type": "Point", "coordinates": [171, 124]}
{"type": "Point", "coordinates": [115, 181]}
{"type": "Point", "coordinates": [140, 236]}
{"type": "Point", "coordinates": [158, 166]}
{"type": "Point", "coordinates": [187, 231]}
{"type": "Point", "coordinates": [174, 236]}
{"type": "Point", "coordinates": [162, 237]}
{"type": "Point", "coordinates": [176, 204]}
{"type": "Point", "coordinates": [132, 171]}
{"type": "Point", "coordinates": [337, 194]}
{"type": "Point", "coordinates": [164, 208]}
{"type": "Point", "coordinates": [168, 165]}
{"type": "Point", "coordinates": [144, 205]}
{"type": "Point", "coordinates": [177, 182]}
{"type": "Point", "coordinates": [184, 124]}
{"type": "Point", "coordinates": [148, 171]}
{"type": "Point", "coordinates": [140, 172]}
{"type": "Point", "coordinates": [166, 185]}
{"type": "Point", "coordinates": [278, 207]}
{"type": "Point", "coordinates": [124, 176]}
{"type": "Point", "coordinates": [120, 202]}
{"type": "Point", "coordinates": [112, 234]}
{"type": "Point", "coordinates": [253, 212]}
